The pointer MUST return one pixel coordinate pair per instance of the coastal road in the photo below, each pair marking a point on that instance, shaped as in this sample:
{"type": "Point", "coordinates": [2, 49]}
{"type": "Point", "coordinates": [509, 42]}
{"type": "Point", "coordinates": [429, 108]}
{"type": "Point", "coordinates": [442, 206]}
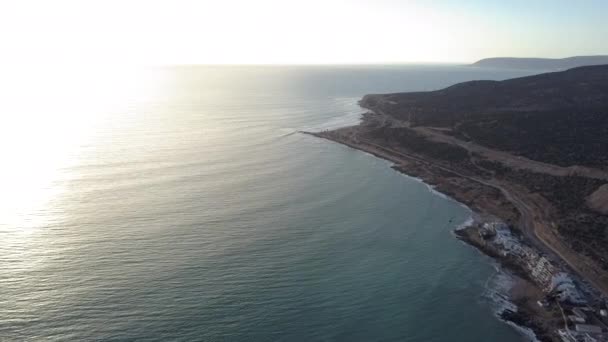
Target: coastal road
{"type": "Point", "coordinates": [533, 222]}
{"type": "Point", "coordinates": [505, 158]}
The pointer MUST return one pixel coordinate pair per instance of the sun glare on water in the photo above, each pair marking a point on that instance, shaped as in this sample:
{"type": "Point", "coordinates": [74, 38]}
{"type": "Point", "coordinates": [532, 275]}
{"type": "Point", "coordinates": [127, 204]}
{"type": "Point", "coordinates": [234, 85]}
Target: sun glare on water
{"type": "Point", "coordinates": [46, 115]}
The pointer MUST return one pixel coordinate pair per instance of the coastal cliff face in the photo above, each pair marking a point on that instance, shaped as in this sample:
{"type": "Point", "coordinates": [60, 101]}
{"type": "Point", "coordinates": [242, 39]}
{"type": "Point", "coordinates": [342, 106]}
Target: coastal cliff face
{"type": "Point", "coordinates": [530, 152]}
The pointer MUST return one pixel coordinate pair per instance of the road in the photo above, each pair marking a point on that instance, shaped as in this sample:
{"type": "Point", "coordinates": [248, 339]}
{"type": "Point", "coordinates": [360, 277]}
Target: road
{"type": "Point", "coordinates": [505, 158]}
{"type": "Point", "coordinates": [532, 220]}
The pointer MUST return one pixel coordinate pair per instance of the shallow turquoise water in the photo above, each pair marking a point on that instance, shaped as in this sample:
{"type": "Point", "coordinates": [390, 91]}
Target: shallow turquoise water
{"type": "Point", "coordinates": [196, 213]}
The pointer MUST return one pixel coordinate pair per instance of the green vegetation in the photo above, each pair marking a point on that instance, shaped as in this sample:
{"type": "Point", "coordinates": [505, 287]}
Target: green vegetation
{"type": "Point", "coordinates": [561, 138]}
{"type": "Point", "coordinates": [559, 118]}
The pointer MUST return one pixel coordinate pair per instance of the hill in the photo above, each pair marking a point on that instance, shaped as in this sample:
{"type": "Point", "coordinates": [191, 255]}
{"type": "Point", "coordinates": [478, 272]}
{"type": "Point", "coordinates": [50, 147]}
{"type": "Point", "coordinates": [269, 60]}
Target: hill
{"type": "Point", "coordinates": [542, 139]}
{"type": "Point", "coordinates": [559, 118]}
{"type": "Point", "coordinates": [529, 151]}
{"type": "Point", "coordinates": [541, 63]}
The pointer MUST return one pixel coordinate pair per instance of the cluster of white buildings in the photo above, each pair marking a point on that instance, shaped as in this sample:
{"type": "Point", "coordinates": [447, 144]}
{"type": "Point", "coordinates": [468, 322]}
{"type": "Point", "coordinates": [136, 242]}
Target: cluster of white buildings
{"type": "Point", "coordinates": [556, 283]}
{"type": "Point", "coordinates": [542, 270]}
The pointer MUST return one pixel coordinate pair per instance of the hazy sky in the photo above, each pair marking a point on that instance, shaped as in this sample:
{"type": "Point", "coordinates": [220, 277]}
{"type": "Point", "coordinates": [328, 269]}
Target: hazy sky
{"type": "Point", "coordinates": [302, 31]}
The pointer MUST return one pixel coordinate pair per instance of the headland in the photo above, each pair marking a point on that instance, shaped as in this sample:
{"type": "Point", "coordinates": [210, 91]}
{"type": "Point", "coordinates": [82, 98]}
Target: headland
{"type": "Point", "coordinates": [526, 199]}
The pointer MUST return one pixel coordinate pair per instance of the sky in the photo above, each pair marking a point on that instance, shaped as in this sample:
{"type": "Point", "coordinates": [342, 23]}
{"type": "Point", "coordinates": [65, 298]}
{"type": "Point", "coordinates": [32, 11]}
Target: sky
{"type": "Point", "coordinates": [149, 32]}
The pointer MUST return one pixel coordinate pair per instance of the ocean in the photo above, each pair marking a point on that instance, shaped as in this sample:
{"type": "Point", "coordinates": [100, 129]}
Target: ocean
{"type": "Point", "coordinates": [182, 204]}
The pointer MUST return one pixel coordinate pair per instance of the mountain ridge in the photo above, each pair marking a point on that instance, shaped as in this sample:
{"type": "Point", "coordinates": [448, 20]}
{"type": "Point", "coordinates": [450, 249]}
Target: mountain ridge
{"type": "Point", "coordinates": [546, 108]}
{"type": "Point", "coordinates": [541, 63]}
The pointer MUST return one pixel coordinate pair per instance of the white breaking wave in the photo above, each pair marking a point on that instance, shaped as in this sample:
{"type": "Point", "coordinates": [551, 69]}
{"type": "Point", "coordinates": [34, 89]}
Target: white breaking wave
{"type": "Point", "coordinates": [497, 290]}
{"type": "Point", "coordinates": [436, 192]}
{"type": "Point", "coordinates": [469, 221]}
{"type": "Point", "coordinates": [349, 119]}
{"type": "Point", "coordinates": [350, 115]}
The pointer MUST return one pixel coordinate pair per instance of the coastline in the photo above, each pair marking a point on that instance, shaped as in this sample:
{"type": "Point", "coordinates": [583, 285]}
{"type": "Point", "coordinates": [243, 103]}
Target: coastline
{"type": "Point", "coordinates": [480, 213]}
{"type": "Point", "coordinates": [521, 309]}
{"type": "Point", "coordinates": [436, 181]}
{"type": "Point", "coordinates": [501, 207]}
{"type": "Point", "coordinates": [537, 192]}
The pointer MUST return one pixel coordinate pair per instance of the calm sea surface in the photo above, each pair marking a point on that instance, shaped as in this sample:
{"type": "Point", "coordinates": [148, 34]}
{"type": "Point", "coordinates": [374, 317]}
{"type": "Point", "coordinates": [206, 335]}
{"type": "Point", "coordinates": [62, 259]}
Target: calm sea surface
{"type": "Point", "coordinates": [180, 204]}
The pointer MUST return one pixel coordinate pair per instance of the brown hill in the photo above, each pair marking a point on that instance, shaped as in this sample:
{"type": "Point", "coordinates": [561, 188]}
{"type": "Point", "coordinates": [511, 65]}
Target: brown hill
{"type": "Point", "coordinates": [558, 117]}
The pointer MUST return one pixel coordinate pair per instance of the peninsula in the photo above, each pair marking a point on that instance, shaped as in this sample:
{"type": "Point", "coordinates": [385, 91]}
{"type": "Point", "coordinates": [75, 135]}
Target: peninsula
{"type": "Point", "coordinates": [529, 157]}
{"type": "Point", "coordinates": [541, 63]}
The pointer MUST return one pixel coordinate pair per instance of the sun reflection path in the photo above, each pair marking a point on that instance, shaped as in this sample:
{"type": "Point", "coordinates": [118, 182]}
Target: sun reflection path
{"type": "Point", "coordinates": [46, 116]}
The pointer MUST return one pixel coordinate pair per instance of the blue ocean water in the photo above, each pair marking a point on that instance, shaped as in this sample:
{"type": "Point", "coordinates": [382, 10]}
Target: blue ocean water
{"type": "Point", "coordinates": [191, 210]}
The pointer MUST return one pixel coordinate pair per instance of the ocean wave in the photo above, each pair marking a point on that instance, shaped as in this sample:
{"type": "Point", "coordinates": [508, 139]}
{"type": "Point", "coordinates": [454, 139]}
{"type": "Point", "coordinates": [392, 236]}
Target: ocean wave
{"type": "Point", "coordinates": [436, 192]}
{"type": "Point", "coordinates": [348, 119]}
{"type": "Point", "coordinates": [287, 131]}
{"type": "Point", "coordinates": [527, 332]}
{"type": "Point", "coordinates": [497, 290]}
{"type": "Point", "coordinates": [469, 221]}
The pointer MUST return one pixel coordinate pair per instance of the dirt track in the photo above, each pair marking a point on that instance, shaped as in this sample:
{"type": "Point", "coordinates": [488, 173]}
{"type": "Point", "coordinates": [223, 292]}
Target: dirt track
{"type": "Point", "coordinates": [505, 158]}
{"type": "Point", "coordinates": [534, 214]}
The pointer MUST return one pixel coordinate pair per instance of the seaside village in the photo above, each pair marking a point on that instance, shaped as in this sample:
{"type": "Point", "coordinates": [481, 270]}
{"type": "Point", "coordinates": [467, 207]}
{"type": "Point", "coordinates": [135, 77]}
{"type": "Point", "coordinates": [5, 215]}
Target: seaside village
{"type": "Point", "coordinates": [584, 314]}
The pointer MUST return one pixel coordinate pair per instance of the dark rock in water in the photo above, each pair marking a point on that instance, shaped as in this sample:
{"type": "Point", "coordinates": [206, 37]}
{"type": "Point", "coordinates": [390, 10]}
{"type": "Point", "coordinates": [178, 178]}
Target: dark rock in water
{"type": "Point", "coordinates": [524, 320]}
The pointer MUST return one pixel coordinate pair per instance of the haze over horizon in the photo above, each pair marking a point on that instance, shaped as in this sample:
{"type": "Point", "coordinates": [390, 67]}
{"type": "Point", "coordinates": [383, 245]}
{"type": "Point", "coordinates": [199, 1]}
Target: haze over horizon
{"type": "Point", "coordinates": [304, 170]}
{"type": "Point", "coordinates": [288, 32]}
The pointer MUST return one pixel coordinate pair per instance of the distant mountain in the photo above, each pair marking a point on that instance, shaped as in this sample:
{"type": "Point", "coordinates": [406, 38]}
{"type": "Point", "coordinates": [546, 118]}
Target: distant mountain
{"type": "Point", "coordinates": [541, 63]}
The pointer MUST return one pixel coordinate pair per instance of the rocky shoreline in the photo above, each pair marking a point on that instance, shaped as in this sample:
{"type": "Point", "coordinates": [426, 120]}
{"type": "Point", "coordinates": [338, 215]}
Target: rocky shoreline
{"type": "Point", "coordinates": [483, 211]}
{"type": "Point", "coordinates": [523, 313]}
{"type": "Point", "coordinates": [490, 209]}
